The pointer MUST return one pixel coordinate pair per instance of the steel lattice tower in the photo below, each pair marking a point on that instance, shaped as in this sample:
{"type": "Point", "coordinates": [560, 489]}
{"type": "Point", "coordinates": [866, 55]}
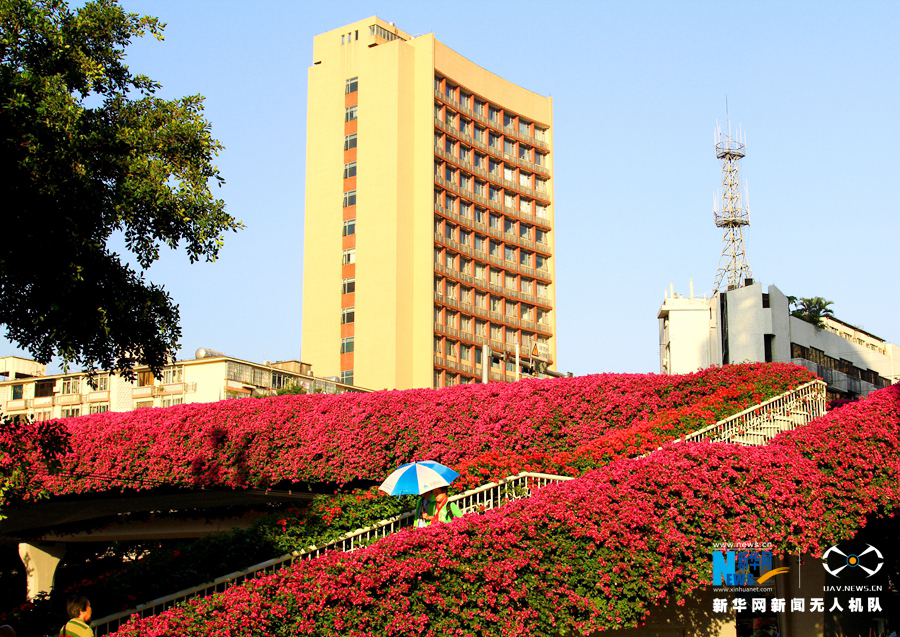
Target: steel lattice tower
{"type": "Point", "coordinates": [730, 212]}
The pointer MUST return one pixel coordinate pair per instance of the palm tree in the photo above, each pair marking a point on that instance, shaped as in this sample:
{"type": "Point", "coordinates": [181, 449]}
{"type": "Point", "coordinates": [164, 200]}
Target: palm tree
{"type": "Point", "coordinates": [812, 310]}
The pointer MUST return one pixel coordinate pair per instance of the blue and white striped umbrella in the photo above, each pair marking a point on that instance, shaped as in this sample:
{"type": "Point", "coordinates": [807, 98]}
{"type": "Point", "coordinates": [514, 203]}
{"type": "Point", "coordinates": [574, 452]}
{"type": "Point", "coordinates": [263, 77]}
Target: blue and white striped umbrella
{"type": "Point", "coordinates": [418, 477]}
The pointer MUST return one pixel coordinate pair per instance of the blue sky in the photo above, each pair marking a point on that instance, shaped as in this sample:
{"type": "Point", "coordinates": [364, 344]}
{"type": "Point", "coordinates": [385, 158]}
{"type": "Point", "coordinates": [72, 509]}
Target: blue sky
{"type": "Point", "coordinates": [637, 88]}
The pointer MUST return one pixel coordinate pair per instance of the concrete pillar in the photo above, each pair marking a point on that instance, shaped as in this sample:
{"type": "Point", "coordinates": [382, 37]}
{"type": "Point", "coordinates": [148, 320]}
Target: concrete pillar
{"type": "Point", "coordinates": [40, 565]}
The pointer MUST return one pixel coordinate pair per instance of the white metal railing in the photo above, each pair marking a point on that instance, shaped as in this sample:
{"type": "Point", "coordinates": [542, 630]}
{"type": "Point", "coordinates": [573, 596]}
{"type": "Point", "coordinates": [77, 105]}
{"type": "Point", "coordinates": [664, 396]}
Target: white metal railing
{"type": "Point", "coordinates": [487, 496]}
{"type": "Point", "coordinates": [760, 423]}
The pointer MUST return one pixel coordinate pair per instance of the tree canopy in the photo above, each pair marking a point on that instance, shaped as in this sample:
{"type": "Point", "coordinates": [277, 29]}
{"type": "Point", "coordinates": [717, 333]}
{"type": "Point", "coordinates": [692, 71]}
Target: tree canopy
{"type": "Point", "coordinates": [812, 310]}
{"type": "Point", "coordinates": [88, 152]}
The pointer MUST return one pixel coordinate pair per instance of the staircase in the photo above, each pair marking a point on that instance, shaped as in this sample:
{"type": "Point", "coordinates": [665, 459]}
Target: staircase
{"type": "Point", "coordinates": [487, 496]}
{"type": "Point", "coordinates": [754, 426]}
{"type": "Point", "coordinates": [760, 423]}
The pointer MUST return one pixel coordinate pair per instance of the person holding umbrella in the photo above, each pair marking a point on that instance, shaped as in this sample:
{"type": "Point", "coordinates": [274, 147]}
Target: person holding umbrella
{"type": "Point", "coordinates": [430, 480]}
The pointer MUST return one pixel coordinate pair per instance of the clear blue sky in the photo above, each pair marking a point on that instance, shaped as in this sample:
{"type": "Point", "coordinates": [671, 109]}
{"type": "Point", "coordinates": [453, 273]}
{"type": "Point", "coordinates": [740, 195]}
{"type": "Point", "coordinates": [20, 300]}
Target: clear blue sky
{"type": "Point", "coordinates": [637, 88]}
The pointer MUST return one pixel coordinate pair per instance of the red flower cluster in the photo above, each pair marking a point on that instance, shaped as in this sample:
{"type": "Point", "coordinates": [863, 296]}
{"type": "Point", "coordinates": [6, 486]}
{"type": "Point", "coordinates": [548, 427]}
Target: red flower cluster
{"type": "Point", "coordinates": [590, 554]}
{"type": "Point", "coordinates": [316, 438]}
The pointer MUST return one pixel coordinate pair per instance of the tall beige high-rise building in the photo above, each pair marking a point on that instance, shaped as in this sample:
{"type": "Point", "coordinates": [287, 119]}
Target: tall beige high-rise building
{"type": "Point", "coordinates": [428, 253]}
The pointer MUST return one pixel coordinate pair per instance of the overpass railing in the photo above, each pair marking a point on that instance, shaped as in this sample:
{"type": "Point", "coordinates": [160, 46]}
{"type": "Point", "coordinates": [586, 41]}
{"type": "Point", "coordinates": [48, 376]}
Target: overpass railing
{"type": "Point", "coordinates": [760, 423]}
{"type": "Point", "coordinates": [487, 496]}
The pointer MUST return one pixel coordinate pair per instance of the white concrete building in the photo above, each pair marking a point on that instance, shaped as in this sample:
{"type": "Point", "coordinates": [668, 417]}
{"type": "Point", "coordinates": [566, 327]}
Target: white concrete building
{"type": "Point", "coordinates": [748, 324]}
{"type": "Point", "coordinates": [212, 376]}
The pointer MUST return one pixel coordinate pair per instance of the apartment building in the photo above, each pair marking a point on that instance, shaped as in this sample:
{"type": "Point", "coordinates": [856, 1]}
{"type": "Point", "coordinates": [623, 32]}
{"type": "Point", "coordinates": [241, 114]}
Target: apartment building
{"type": "Point", "coordinates": [429, 248]}
{"type": "Point", "coordinates": [749, 324]}
{"type": "Point", "coordinates": [26, 391]}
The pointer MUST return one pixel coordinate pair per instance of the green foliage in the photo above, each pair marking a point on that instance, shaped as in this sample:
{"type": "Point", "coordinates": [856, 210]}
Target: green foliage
{"type": "Point", "coordinates": [88, 151]}
{"type": "Point", "coordinates": [812, 310]}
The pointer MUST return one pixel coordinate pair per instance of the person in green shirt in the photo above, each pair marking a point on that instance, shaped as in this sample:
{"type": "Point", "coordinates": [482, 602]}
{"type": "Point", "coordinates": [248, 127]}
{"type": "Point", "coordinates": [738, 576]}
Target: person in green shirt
{"type": "Point", "coordinates": [435, 507]}
{"type": "Point", "coordinates": [79, 609]}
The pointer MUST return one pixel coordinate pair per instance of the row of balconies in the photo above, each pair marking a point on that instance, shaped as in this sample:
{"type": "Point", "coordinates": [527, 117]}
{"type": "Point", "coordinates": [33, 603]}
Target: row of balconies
{"type": "Point", "coordinates": [493, 316]}
{"type": "Point", "coordinates": [481, 284]}
{"type": "Point", "coordinates": [495, 152]}
{"type": "Point", "coordinates": [496, 206]}
{"type": "Point", "coordinates": [509, 348]}
{"type": "Point", "coordinates": [474, 370]}
{"type": "Point", "coordinates": [543, 195]}
{"type": "Point", "coordinates": [66, 400]}
{"type": "Point", "coordinates": [487, 121]}
{"type": "Point", "coordinates": [498, 233]}
{"type": "Point", "coordinates": [484, 257]}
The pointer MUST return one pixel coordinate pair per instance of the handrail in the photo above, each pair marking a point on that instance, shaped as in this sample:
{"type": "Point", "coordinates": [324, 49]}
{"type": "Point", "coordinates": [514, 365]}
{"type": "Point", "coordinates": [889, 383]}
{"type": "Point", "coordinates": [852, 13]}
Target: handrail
{"type": "Point", "coordinates": [487, 496]}
{"type": "Point", "coordinates": [760, 423]}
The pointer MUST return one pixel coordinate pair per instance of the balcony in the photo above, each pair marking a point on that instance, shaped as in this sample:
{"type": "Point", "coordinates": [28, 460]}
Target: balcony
{"type": "Point", "coordinates": [16, 405]}
{"type": "Point", "coordinates": [171, 388]}
{"type": "Point", "coordinates": [142, 392]}
{"type": "Point", "coordinates": [98, 397]}
{"type": "Point", "coordinates": [69, 399]}
{"type": "Point", "coordinates": [43, 401]}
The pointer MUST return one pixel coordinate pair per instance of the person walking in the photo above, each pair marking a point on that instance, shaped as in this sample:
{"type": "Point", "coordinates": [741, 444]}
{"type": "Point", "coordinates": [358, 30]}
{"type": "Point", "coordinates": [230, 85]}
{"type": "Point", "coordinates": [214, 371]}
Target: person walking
{"type": "Point", "coordinates": [438, 508]}
{"type": "Point", "coordinates": [79, 609]}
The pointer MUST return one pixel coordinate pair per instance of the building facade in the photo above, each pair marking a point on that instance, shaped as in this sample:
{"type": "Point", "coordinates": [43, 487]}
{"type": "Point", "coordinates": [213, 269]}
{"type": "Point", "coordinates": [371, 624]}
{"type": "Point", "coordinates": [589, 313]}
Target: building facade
{"type": "Point", "coordinates": [747, 324]}
{"type": "Point", "coordinates": [25, 391]}
{"type": "Point", "coordinates": [428, 252]}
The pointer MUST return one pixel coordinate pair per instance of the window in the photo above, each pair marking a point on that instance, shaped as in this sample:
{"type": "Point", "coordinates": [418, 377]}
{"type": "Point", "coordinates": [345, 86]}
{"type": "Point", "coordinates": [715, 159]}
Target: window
{"type": "Point", "coordinates": [509, 146]}
{"type": "Point", "coordinates": [478, 356]}
{"type": "Point", "coordinates": [99, 383]}
{"type": "Point", "coordinates": [74, 412]}
{"type": "Point", "coordinates": [479, 134]}
{"type": "Point", "coordinates": [479, 243]}
{"type": "Point", "coordinates": [495, 248]}
{"type": "Point", "coordinates": [348, 315]}
{"type": "Point", "coordinates": [541, 262]}
{"type": "Point", "coordinates": [523, 127]}
{"type": "Point", "coordinates": [449, 174]}
{"type": "Point", "coordinates": [71, 385]}
{"type": "Point", "coordinates": [451, 290]}
{"type": "Point", "coordinates": [349, 227]}
{"type": "Point", "coordinates": [510, 366]}
{"type": "Point", "coordinates": [481, 300]}
{"type": "Point", "coordinates": [509, 199]}
{"type": "Point", "coordinates": [480, 328]}
{"type": "Point", "coordinates": [526, 312]}
{"type": "Point", "coordinates": [465, 209]}
{"type": "Point", "coordinates": [349, 141]}
{"type": "Point", "coordinates": [450, 117]}
{"type": "Point", "coordinates": [510, 281]}
{"type": "Point", "coordinates": [347, 376]}
{"type": "Point", "coordinates": [350, 170]}
{"type": "Point", "coordinates": [349, 198]}
{"type": "Point", "coordinates": [495, 194]}
{"type": "Point", "coordinates": [493, 114]}
{"type": "Point", "coordinates": [171, 402]}
{"type": "Point", "coordinates": [509, 173]}
{"type": "Point", "coordinates": [465, 353]}
{"type": "Point", "coordinates": [508, 120]}
{"type": "Point", "coordinates": [44, 388]}
{"type": "Point", "coordinates": [543, 290]}
{"type": "Point", "coordinates": [540, 133]}
{"type": "Point", "coordinates": [541, 185]}
{"type": "Point", "coordinates": [525, 258]}
{"type": "Point", "coordinates": [495, 221]}
{"type": "Point", "coordinates": [449, 348]}
{"type": "Point", "coordinates": [524, 231]}
{"type": "Point", "coordinates": [348, 286]}
{"type": "Point", "coordinates": [346, 345]}
{"type": "Point", "coordinates": [525, 205]}
{"type": "Point", "coordinates": [540, 235]}
{"type": "Point", "coordinates": [437, 378]}
{"type": "Point", "coordinates": [144, 404]}
{"type": "Point", "coordinates": [349, 256]}
{"type": "Point", "coordinates": [464, 237]}
{"type": "Point", "coordinates": [524, 179]}
{"type": "Point", "coordinates": [351, 113]}
{"type": "Point", "coordinates": [495, 333]}
{"type": "Point", "coordinates": [493, 139]}
{"type": "Point", "coordinates": [543, 316]}
{"type": "Point", "coordinates": [451, 261]}
{"type": "Point", "coordinates": [449, 146]}
{"type": "Point", "coordinates": [495, 276]}
{"type": "Point", "coordinates": [479, 271]}
{"type": "Point", "coordinates": [525, 286]}
{"type": "Point", "coordinates": [16, 392]}
{"type": "Point", "coordinates": [480, 160]}
{"type": "Point", "coordinates": [465, 324]}
{"type": "Point", "coordinates": [524, 152]}
{"type": "Point", "coordinates": [352, 85]}
{"type": "Point", "coordinates": [541, 211]}
{"type": "Point", "coordinates": [496, 304]}
{"type": "Point", "coordinates": [439, 285]}
{"type": "Point", "coordinates": [479, 106]}
{"type": "Point", "coordinates": [464, 125]}
{"type": "Point", "coordinates": [145, 379]}
{"type": "Point", "coordinates": [449, 90]}
{"type": "Point", "coordinates": [449, 230]}
{"type": "Point", "coordinates": [510, 311]}
{"type": "Point", "coordinates": [479, 188]}
{"type": "Point", "coordinates": [173, 374]}
{"type": "Point", "coordinates": [494, 166]}
{"type": "Point", "coordinates": [450, 320]}
{"type": "Point", "coordinates": [509, 253]}
{"type": "Point", "coordinates": [479, 215]}
{"type": "Point", "coordinates": [464, 181]}
{"type": "Point", "coordinates": [540, 159]}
